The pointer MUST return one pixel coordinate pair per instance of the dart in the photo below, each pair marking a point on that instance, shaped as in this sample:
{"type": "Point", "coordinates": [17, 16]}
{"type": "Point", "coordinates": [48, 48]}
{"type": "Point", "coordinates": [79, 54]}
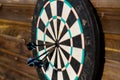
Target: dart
{"type": "Point", "coordinates": [36, 62]}
{"type": "Point", "coordinates": [32, 45]}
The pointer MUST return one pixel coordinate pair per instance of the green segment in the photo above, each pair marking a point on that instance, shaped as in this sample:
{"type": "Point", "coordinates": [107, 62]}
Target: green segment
{"type": "Point", "coordinates": [70, 34]}
{"type": "Point", "coordinates": [68, 3]}
{"type": "Point", "coordinates": [54, 17]}
{"type": "Point", "coordinates": [52, 0]}
{"type": "Point", "coordinates": [44, 37]}
{"type": "Point", "coordinates": [76, 78]}
{"type": "Point", "coordinates": [42, 11]}
{"type": "Point", "coordinates": [80, 26]}
{"type": "Point", "coordinates": [71, 50]}
{"type": "Point", "coordinates": [63, 20]}
{"type": "Point", "coordinates": [39, 55]}
{"type": "Point", "coordinates": [83, 56]}
{"type": "Point", "coordinates": [51, 64]}
{"type": "Point", "coordinates": [47, 24]}
{"type": "Point", "coordinates": [67, 65]}
{"type": "Point", "coordinates": [36, 33]}
{"type": "Point", "coordinates": [46, 76]}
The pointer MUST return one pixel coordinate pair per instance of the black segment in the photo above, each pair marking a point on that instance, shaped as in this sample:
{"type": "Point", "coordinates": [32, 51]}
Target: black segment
{"type": "Point", "coordinates": [71, 19]}
{"type": "Point", "coordinates": [67, 42]}
{"type": "Point", "coordinates": [41, 25]}
{"type": "Point", "coordinates": [77, 41]}
{"type": "Point", "coordinates": [59, 69]}
{"type": "Point", "coordinates": [61, 59]}
{"type": "Point", "coordinates": [40, 47]}
{"type": "Point", "coordinates": [48, 44]}
{"type": "Point", "coordinates": [46, 65]}
{"type": "Point", "coordinates": [55, 64]}
{"type": "Point", "coordinates": [40, 42]}
{"type": "Point", "coordinates": [52, 26]}
{"type": "Point", "coordinates": [54, 75]}
{"type": "Point", "coordinates": [65, 53]}
{"type": "Point", "coordinates": [63, 32]}
{"type": "Point", "coordinates": [59, 8]}
{"type": "Point", "coordinates": [58, 26]}
{"type": "Point", "coordinates": [50, 55]}
{"type": "Point", "coordinates": [74, 3]}
{"type": "Point", "coordinates": [65, 75]}
{"type": "Point", "coordinates": [40, 4]}
{"type": "Point", "coordinates": [49, 34]}
{"type": "Point", "coordinates": [48, 11]}
{"type": "Point", "coordinates": [75, 64]}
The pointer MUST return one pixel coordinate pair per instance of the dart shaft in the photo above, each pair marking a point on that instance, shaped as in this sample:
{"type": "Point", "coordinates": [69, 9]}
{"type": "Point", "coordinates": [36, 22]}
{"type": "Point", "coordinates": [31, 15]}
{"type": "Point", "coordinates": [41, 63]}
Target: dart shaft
{"type": "Point", "coordinates": [43, 44]}
{"type": "Point", "coordinates": [32, 45]}
{"type": "Point", "coordinates": [48, 54]}
{"type": "Point", "coordinates": [45, 53]}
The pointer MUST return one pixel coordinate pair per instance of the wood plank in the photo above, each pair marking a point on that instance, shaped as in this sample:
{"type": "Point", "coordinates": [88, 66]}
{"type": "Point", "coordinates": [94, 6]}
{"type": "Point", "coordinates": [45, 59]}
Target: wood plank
{"type": "Point", "coordinates": [2, 73]}
{"type": "Point", "coordinates": [106, 3]}
{"type": "Point", "coordinates": [17, 12]}
{"type": "Point", "coordinates": [18, 65]}
{"type": "Point", "coordinates": [112, 47]}
{"type": "Point", "coordinates": [15, 44]}
{"type": "Point", "coordinates": [111, 70]}
{"type": "Point", "coordinates": [11, 75]}
{"type": "Point", "coordinates": [18, 71]}
{"type": "Point", "coordinates": [13, 22]}
{"type": "Point", "coordinates": [111, 26]}
{"type": "Point", "coordinates": [16, 30]}
{"type": "Point", "coordinates": [115, 44]}
{"type": "Point", "coordinates": [108, 13]}
{"type": "Point", "coordinates": [15, 56]}
{"type": "Point", "coordinates": [112, 55]}
{"type": "Point", "coordinates": [112, 36]}
{"type": "Point", "coordinates": [97, 3]}
{"type": "Point", "coordinates": [13, 49]}
{"type": "Point", "coordinates": [110, 19]}
{"type": "Point", "coordinates": [18, 1]}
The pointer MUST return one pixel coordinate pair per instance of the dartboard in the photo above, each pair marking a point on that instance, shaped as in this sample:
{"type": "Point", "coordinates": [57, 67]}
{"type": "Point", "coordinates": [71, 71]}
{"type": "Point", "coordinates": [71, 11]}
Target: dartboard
{"type": "Point", "coordinates": [69, 32]}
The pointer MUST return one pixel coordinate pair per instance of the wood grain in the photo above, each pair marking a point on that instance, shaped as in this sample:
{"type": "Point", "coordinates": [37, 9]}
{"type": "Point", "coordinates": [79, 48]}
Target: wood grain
{"type": "Point", "coordinates": [111, 70]}
{"type": "Point", "coordinates": [14, 60]}
{"type": "Point", "coordinates": [18, 1]}
{"type": "Point", "coordinates": [106, 3]}
{"type": "Point", "coordinates": [17, 12]}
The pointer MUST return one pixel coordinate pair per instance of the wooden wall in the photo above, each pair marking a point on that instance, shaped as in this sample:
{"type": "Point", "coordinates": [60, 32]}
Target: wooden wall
{"type": "Point", "coordinates": [15, 32]}
{"type": "Point", "coordinates": [15, 21]}
{"type": "Point", "coordinates": [109, 12]}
